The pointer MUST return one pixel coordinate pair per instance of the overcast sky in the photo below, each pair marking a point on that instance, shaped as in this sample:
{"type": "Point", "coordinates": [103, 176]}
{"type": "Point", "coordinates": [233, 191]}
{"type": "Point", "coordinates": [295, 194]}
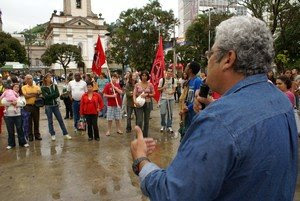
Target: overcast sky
{"type": "Point", "coordinates": [20, 14]}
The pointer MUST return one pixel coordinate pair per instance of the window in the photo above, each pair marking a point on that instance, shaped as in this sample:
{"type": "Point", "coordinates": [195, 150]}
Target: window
{"type": "Point", "coordinates": [78, 3]}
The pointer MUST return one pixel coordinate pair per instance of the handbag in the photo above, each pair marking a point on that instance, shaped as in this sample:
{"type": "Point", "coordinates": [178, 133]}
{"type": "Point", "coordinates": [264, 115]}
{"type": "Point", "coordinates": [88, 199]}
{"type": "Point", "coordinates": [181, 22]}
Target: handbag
{"type": "Point", "coordinates": [81, 124]}
{"type": "Point", "coordinates": [140, 100]}
{"type": "Point", "coordinates": [39, 101]}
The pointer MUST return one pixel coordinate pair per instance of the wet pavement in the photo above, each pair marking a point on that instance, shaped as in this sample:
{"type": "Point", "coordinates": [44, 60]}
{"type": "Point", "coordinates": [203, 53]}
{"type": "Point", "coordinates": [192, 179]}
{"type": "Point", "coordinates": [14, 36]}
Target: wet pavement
{"type": "Point", "coordinates": [78, 169]}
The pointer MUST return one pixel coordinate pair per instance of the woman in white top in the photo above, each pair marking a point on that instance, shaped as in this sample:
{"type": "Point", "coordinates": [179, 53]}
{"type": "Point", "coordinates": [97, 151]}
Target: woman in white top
{"type": "Point", "coordinates": [13, 118]}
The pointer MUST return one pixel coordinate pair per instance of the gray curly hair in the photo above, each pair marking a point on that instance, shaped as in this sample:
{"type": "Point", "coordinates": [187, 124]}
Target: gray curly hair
{"type": "Point", "coordinates": [251, 40]}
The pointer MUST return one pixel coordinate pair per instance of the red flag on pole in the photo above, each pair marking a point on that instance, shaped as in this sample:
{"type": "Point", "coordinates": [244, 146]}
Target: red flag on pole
{"type": "Point", "coordinates": [99, 58]}
{"type": "Point", "coordinates": [158, 68]}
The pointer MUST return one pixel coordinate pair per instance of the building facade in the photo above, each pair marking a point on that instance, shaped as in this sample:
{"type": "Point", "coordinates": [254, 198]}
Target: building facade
{"type": "Point", "coordinates": [188, 10]}
{"type": "Point", "coordinates": [76, 25]}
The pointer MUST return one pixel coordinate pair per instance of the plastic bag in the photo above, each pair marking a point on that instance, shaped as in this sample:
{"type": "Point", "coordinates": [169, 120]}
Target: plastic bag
{"type": "Point", "coordinates": [81, 124]}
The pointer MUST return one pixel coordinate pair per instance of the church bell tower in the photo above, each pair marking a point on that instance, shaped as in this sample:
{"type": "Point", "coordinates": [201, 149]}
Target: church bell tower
{"type": "Point", "coordinates": [80, 8]}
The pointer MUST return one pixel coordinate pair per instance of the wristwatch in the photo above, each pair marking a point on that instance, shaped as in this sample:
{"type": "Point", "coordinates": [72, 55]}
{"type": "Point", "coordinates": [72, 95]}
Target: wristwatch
{"type": "Point", "coordinates": [136, 162]}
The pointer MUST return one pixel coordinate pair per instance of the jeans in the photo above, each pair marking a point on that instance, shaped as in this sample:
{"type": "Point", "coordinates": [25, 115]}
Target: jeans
{"type": "Point", "coordinates": [49, 109]}
{"type": "Point", "coordinates": [188, 120]}
{"type": "Point", "coordinates": [166, 110]}
{"type": "Point", "coordinates": [129, 113]}
{"type": "Point", "coordinates": [33, 119]}
{"type": "Point", "coordinates": [69, 109]}
{"type": "Point", "coordinates": [92, 125]}
{"type": "Point", "coordinates": [1, 117]}
{"type": "Point", "coordinates": [76, 115]}
{"type": "Point", "coordinates": [143, 116]}
{"type": "Point", "coordinates": [124, 105]}
{"type": "Point", "coordinates": [11, 122]}
{"type": "Point", "coordinates": [104, 109]}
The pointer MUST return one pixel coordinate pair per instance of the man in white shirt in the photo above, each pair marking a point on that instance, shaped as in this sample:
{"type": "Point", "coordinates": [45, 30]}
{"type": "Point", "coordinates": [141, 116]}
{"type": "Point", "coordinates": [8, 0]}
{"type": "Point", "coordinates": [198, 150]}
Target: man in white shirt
{"type": "Point", "coordinates": [77, 88]}
{"type": "Point", "coordinates": [167, 88]}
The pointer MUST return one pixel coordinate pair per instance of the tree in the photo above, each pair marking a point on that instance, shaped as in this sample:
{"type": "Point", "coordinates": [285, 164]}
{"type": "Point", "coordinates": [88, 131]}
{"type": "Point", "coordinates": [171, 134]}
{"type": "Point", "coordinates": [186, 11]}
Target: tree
{"type": "Point", "coordinates": [288, 40]}
{"type": "Point", "coordinates": [197, 36]}
{"type": "Point", "coordinates": [266, 10]}
{"type": "Point", "coordinates": [134, 35]}
{"type": "Point", "coordinates": [62, 54]}
{"type": "Point", "coordinates": [281, 61]}
{"type": "Point", "coordinates": [11, 49]}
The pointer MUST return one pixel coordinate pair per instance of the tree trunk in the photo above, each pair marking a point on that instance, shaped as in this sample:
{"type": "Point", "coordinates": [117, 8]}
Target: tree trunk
{"type": "Point", "coordinates": [83, 67]}
{"type": "Point", "coordinates": [65, 71]}
{"type": "Point", "coordinates": [123, 67]}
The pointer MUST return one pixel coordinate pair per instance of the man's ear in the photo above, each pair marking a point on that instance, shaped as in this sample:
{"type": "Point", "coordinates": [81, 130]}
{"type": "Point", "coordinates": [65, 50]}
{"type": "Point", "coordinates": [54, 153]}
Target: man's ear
{"type": "Point", "coordinates": [229, 60]}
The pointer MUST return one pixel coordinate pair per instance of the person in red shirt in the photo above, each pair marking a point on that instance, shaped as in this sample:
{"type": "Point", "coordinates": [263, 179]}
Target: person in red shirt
{"type": "Point", "coordinates": [90, 105]}
{"type": "Point", "coordinates": [112, 92]}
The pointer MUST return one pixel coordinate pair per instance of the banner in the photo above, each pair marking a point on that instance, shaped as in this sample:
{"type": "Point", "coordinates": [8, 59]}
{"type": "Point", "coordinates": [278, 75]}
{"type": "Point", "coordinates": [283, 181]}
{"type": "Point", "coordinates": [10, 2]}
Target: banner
{"type": "Point", "coordinates": [99, 58]}
{"type": "Point", "coordinates": [158, 68]}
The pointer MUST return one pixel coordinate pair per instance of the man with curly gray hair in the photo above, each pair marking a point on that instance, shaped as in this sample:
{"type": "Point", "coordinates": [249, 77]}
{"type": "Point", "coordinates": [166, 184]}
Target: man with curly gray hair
{"type": "Point", "coordinates": [242, 146]}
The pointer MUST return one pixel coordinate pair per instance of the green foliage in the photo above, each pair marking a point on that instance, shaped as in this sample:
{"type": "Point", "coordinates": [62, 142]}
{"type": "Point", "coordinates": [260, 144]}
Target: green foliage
{"type": "Point", "coordinates": [134, 35]}
{"type": "Point", "coordinates": [288, 40]}
{"type": "Point", "coordinates": [31, 35]}
{"type": "Point", "coordinates": [197, 37]}
{"type": "Point", "coordinates": [62, 54]}
{"type": "Point", "coordinates": [274, 8]}
{"type": "Point", "coordinates": [11, 49]}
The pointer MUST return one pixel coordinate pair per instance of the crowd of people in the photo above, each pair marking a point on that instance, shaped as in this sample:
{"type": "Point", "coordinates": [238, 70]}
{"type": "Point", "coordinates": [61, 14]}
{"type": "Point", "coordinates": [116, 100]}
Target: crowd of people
{"type": "Point", "coordinates": [89, 96]}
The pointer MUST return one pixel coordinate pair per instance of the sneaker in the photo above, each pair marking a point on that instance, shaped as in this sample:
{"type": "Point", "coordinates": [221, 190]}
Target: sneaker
{"type": "Point", "coordinates": [9, 147]}
{"type": "Point", "coordinates": [53, 138]}
{"type": "Point", "coordinates": [68, 137]}
{"type": "Point", "coordinates": [26, 145]}
{"type": "Point", "coordinates": [170, 130]}
{"type": "Point", "coordinates": [75, 130]}
{"type": "Point", "coordinates": [162, 129]}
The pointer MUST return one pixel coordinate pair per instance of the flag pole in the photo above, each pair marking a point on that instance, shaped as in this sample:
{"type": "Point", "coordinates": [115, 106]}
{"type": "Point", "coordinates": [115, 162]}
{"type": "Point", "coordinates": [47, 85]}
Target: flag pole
{"type": "Point", "coordinates": [108, 72]}
{"type": "Point", "coordinates": [109, 76]}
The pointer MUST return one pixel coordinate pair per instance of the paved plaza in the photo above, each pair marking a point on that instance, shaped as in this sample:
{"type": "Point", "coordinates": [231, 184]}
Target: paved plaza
{"type": "Point", "coordinates": [79, 170]}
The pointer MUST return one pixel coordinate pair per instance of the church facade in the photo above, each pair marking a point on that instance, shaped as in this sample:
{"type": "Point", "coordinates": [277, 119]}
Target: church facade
{"type": "Point", "coordinates": [76, 25]}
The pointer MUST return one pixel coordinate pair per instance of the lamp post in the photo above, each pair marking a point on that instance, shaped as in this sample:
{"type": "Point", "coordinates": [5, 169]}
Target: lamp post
{"type": "Point", "coordinates": [209, 24]}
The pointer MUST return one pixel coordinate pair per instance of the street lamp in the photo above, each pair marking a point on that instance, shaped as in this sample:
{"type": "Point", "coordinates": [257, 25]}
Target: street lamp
{"type": "Point", "coordinates": [209, 24]}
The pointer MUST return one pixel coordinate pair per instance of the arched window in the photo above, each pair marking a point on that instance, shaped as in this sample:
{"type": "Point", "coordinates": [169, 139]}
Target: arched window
{"type": "Point", "coordinates": [78, 3]}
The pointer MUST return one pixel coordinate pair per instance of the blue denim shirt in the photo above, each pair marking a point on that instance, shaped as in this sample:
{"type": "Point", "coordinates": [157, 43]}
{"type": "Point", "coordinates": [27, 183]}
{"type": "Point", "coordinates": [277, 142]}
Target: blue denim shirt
{"type": "Point", "coordinates": [242, 147]}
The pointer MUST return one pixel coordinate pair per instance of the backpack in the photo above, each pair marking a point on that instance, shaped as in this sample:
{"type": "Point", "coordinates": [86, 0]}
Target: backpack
{"type": "Point", "coordinates": [163, 84]}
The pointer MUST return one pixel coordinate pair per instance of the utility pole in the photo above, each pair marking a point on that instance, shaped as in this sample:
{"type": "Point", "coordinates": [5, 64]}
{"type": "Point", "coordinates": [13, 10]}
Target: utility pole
{"type": "Point", "coordinates": [174, 52]}
{"type": "Point", "coordinates": [209, 24]}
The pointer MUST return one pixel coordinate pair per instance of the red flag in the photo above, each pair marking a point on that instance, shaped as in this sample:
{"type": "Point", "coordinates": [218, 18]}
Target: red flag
{"type": "Point", "coordinates": [99, 58]}
{"type": "Point", "coordinates": [158, 68]}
